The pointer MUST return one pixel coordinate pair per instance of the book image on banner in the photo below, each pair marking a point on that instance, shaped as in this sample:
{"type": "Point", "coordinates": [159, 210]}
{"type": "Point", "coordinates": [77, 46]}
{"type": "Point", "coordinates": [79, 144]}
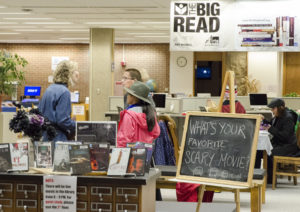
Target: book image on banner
{"type": "Point", "coordinates": [99, 154]}
{"type": "Point", "coordinates": [80, 159]}
{"type": "Point", "coordinates": [5, 159]}
{"type": "Point", "coordinates": [43, 154]}
{"type": "Point", "coordinates": [268, 32]}
{"type": "Point", "coordinates": [19, 156]}
{"type": "Point", "coordinates": [97, 132]}
{"type": "Point", "coordinates": [137, 161]}
{"type": "Point", "coordinates": [118, 162]}
{"type": "Point", "coordinates": [61, 161]}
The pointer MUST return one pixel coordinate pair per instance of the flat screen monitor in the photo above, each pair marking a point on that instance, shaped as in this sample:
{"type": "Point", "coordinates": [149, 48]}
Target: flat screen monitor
{"type": "Point", "coordinates": [97, 132]}
{"type": "Point", "coordinates": [75, 97]}
{"type": "Point", "coordinates": [258, 99]}
{"type": "Point", "coordinates": [159, 100]}
{"type": "Point", "coordinates": [203, 73]}
{"type": "Point", "coordinates": [32, 91]}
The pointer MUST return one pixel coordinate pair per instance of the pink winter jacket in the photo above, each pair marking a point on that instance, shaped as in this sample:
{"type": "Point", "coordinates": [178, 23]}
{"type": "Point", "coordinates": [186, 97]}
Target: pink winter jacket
{"type": "Point", "coordinates": [133, 127]}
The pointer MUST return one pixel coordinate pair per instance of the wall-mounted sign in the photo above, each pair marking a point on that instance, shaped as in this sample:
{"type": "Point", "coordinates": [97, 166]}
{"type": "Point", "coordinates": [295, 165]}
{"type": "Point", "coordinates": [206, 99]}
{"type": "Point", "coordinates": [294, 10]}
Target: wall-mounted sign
{"type": "Point", "coordinates": [234, 26]}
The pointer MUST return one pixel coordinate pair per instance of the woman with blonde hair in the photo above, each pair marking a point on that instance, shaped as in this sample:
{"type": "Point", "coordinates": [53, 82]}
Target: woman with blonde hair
{"type": "Point", "coordinates": [56, 101]}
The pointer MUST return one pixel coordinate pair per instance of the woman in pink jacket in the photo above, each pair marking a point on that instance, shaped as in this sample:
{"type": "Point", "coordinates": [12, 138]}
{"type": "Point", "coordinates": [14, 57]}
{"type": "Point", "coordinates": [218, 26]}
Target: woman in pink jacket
{"type": "Point", "coordinates": [138, 120]}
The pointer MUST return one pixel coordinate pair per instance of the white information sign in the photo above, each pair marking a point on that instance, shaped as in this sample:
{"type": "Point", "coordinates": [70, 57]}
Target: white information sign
{"type": "Point", "coordinates": [78, 110]}
{"type": "Point", "coordinates": [59, 193]}
{"type": "Point", "coordinates": [56, 60]}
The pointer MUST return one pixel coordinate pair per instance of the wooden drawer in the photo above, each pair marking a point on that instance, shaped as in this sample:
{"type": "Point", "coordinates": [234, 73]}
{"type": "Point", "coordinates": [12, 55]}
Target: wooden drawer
{"type": "Point", "coordinates": [82, 193]}
{"type": "Point", "coordinates": [26, 191]}
{"type": "Point", "coordinates": [101, 194]}
{"type": "Point", "coordinates": [6, 190]}
{"type": "Point", "coordinates": [101, 206]}
{"type": "Point", "coordinates": [26, 205]}
{"type": "Point", "coordinates": [6, 205]}
{"type": "Point", "coordinates": [125, 207]}
{"type": "Point", "coordinates": [127, 194]}
{"type": "Point", "coordinates": [82, 206]}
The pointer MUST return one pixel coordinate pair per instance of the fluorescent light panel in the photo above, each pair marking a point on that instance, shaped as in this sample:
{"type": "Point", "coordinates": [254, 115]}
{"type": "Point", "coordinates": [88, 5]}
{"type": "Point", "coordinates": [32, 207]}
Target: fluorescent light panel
{"type": "Point", "coordinates": [107, 23]}
{"type": "Point", "coordinates": [44, 23]}
{"type": "Point", "coordinates": [4, 23]}
{"type": "Point", "coordinates": [74, 38]}
{"type": "Point", "coordinates": [34, 30]}
{"type": "Point", "coordinates": [9, 33]}
{"type": "Point", "coordinates": [75, 30]}
{"type": "Point", "coordinates": [151, 36]}
{"type": "Point", "coordinates": [15, 13]}
{"type": "Point", "coordinates": [146, 33]}
{"type": "Point", "coordinates": [29, 18]}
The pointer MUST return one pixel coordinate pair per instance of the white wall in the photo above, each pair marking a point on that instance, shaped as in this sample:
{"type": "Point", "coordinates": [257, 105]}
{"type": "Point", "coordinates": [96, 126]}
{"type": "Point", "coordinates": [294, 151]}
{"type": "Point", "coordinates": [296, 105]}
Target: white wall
{"type": "Point", "coordinates": [266, 67]}
{"type": "Point", "coordinates": [181, 78]}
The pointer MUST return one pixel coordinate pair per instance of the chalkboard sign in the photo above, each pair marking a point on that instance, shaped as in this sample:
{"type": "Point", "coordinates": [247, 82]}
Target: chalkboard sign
{"type": "Point", "coordinates": [219, 148]}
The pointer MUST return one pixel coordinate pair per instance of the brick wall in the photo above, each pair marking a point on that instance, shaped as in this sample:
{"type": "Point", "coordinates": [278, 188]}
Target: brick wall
{"type": "Point", "coordinates": [152, 57]}
{"type": "Point", "coordinates": [39, 63]}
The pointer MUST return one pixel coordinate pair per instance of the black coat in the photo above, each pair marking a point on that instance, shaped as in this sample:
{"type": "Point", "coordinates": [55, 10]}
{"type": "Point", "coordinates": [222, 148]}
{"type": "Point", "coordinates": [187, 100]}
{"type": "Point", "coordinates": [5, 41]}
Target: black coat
{"type": "Point", "coordinates": [283, 128]}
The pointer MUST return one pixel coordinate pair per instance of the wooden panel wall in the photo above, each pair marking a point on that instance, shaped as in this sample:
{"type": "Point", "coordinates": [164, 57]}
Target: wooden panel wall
{"type": "Point", "coordinates": [291, 72]}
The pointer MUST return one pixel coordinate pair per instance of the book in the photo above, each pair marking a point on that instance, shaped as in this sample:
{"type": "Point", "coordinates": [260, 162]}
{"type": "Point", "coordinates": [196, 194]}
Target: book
{"type": "Point", "coordinates": [61, 160]}
{"type": "Point", "coordinates": [149, 148]}
{"type": "Point", "coordinates": [99, 155]}
{"type": "Point", "coordinates": [118, 162]}
{"type": "Point", "coordinates": [43, 154]}
{"type": "Point", "coordinates": [79, 159]}
{"type": "Point", "coordinates": [19, 156]}
{"type": "Point", "coordinates": [137, 161]}
{"type": "Point", "coordinates": [5, 159]}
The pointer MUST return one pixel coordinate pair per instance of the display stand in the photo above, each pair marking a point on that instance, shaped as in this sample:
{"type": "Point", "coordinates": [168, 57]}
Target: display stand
{"type": "Point", "coordinates": [229, 76]}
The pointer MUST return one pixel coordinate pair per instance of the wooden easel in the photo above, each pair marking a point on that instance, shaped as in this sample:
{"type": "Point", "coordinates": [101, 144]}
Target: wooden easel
{"type": "Point", "coordinates": [229, 76]}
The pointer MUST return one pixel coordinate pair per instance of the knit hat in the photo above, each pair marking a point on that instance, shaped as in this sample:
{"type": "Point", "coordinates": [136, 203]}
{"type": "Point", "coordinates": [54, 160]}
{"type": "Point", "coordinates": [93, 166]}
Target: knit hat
{"type": "Point", "coordinates": [140, 90]}
{"type": "Point", "coordinates": [276, 103]}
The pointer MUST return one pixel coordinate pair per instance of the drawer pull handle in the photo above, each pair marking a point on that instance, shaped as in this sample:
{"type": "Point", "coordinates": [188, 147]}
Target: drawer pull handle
{"type": "Point", "coordinates": [101, 197]}
{"type": "Point", "coordinates": [25, 208]}
{"type": "Point", "coordinates": [1, 194]}
{"type": "Point", "coordinates": [126, 197]}
{"type": "Point", "coordinates": [25, 194]}
{"type": "Point", "coordinates": [1, 210]}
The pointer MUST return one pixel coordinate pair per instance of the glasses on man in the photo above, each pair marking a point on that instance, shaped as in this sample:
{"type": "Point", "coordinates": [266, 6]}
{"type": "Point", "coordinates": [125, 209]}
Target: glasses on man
{"type": "Point", "coordinates": [126, 78]}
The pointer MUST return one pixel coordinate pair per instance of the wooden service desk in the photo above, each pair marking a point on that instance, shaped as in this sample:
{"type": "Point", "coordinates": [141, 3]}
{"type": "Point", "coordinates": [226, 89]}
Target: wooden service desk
{"type": "Point", "coordinates": [24, 192]}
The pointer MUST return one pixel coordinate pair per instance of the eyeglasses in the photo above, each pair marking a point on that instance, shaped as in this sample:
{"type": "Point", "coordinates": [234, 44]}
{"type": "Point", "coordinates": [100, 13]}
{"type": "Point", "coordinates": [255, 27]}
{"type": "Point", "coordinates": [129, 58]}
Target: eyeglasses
{"type": "Point", "coordinates": [126, 78]}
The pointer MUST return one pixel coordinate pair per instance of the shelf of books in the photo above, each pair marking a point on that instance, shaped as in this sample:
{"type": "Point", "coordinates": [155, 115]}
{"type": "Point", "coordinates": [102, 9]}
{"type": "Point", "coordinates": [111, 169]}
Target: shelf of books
{"type": "Point", "coordinates": [108, 178]}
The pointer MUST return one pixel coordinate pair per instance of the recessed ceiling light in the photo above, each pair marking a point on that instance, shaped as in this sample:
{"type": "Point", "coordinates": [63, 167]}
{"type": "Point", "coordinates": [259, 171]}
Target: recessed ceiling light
{"type": "Point", "coordinates": [2, 7]}
{"type": "Point", "coordinates": [28, 18]}
{"type": "Point", "coordinates": [45, 23]}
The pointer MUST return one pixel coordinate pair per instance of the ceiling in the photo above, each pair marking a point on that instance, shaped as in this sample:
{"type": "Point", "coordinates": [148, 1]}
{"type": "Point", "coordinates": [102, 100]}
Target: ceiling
{"type": "Point", "coordinates": [69, 21]}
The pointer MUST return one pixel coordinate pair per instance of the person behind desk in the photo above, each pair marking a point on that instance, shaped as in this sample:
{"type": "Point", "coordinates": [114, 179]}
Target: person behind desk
{"type": "Point", "coordinates": [56, 101]}
{"type": "Point", "coordinates": [282, 128]}
{"type": "Point", "coordinates": [138, 121]}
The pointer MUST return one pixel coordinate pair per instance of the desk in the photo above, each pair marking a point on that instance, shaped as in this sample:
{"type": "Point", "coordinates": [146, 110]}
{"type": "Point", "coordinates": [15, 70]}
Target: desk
{"type": "Point", "coordinates": [94, 193]}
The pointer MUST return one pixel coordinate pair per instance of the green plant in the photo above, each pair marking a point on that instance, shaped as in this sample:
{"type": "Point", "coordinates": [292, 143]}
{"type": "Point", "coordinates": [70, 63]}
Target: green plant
{"type": "Point", "coordinates": [292, 94]}
{"type": "Point", "coordinates": [11, 71]}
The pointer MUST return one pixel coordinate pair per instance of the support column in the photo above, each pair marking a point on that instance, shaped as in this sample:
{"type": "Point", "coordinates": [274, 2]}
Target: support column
{"type": "Point", "coordinates": [101, 73]}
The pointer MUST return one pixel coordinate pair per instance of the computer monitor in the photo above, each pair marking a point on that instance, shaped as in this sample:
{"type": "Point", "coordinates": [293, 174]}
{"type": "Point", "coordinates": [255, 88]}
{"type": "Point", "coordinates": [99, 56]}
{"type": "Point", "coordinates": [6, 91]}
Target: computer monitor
{"type": "Point", "coordinates": [203, 72]}
{"type": "Point", "coordinates": [32, 91]}
{"type": "Point", "coordinates": [159, 100]}
{"type": "Point", "coordinates": [258, 100]}
{"type": "Point", "coordinates": [97, 132]}
{"type": "Point", "coordinates": [75, 97]}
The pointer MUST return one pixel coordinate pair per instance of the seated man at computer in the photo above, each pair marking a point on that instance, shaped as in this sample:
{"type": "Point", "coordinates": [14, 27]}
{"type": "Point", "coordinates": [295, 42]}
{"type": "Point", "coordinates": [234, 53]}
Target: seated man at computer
{"type": "Point", "coordinates": [239, 108]}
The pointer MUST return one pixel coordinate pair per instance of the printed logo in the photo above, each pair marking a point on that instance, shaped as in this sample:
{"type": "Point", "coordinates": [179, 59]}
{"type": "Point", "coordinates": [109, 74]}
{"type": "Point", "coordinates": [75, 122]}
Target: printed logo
{"type": "Point", "coordinates": [181, 9]}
